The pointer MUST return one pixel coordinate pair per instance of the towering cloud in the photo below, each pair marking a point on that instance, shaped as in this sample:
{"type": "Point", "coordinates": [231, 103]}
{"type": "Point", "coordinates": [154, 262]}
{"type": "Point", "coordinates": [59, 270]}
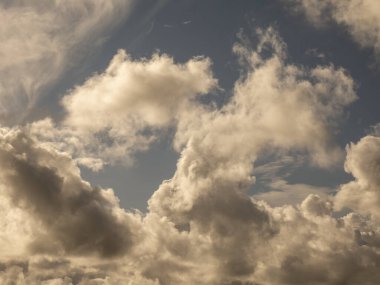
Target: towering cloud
{"type": "Point", "coordinates": [275, 105]}
{"type": "Point", "coordinates": [363, 162]}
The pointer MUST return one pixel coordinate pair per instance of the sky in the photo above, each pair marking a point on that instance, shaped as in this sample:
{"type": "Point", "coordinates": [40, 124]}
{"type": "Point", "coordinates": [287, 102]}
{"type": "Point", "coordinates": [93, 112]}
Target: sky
{"type": "Point", "coordinates": [186, 142]}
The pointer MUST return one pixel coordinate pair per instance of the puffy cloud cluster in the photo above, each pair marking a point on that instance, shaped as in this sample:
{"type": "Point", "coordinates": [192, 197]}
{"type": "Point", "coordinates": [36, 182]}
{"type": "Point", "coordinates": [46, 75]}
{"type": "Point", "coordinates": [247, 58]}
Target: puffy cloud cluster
{"type": "Point", "coordinates": [277, 106]}
{"type": "Point", "coordinates": [363, 162]}
{"type": "Point", "coordinates": [202, 226]}
{"type": "Point", "coordinates": [360, 17]}
{"type": "Point", "coordinates": [116, 113]}
{"type": "Point", "coordinates": [67, 214]}
{"type": "Point", "coordinates": [152, 91]}
{"type": "Point", "coordinates": [313, 247]}
{"type": "Point", "coordinates": [40, 40]}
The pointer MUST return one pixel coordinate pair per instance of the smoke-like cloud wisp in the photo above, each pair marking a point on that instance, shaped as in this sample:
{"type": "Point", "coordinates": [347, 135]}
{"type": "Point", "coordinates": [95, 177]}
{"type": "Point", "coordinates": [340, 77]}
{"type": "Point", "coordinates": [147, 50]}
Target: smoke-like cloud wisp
{"type": "Point", "coordinates": [359, 17]}
{"type": "Point", "coordinates": [41, 40]}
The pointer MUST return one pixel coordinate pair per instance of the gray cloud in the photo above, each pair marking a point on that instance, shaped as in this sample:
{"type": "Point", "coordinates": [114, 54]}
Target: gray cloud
{"type": "Point", "coordinates": [72, 216]}
{"type": "Point", "coordinates": [53, 271]}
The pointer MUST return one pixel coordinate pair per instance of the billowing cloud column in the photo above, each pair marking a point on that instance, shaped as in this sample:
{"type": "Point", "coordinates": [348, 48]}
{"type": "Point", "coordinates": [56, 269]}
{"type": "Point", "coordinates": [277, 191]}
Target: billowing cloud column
{"type": "Point", "coordinates": [276, 106]}
{"type": "Point", "coordinates": [363, 194]}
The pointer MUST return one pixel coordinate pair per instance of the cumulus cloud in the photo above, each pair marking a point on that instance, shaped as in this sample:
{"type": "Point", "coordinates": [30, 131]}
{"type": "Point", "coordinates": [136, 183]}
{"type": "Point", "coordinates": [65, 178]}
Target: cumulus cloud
{"type": "Point", "coordinates": [40, 40]}
{"type": "Point", "coordinates": [68, 215]}
{"type": "Point", "coordinates": [119, 112]}
{"type": "Point", "coordinates": [277, 104]}
{"type": "Point", "coordinates": [315, 248]}
{"type": "Point", "coordinates": [153, 91]}
{"type": "Point", "coordinates": [202, 226]}
{"type": "Point", "coordinates": [363, 162]}
{"type": "Point", "coordinates": [359, 17]}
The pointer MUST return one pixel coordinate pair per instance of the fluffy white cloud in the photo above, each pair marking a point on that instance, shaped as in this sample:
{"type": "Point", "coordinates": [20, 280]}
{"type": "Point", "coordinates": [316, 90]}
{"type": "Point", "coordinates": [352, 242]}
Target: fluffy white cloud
{"type": "Point", "coordinates": [363, 162]}
{"type": "Point", "coordinates": [152, 91]}
{"type": "Point", "coordinates": [40, 40]}
{"type": "Point", "coordinates": [276, 104]}
{"type": "Point", "coordinates": [360, 17]}
{"type": "Point", "coordinates": [120, 111]}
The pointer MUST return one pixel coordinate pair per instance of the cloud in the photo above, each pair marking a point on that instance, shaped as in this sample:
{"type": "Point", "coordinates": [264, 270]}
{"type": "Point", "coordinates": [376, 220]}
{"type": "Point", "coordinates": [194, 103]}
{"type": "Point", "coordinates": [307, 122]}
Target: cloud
{"type": "Point", "coordinates": [151, 91]}
{"type": "Point", "coordinates": [313, 52]}
{"type": "Point", "coordinates": [283, 193]}
{"type": "Point", "coordinates": [272, 185]}
{"type": "Point", "coordinates": [375, 130]}
{"type": "Point", "coordinates": [62, 271]}
{"type": "Point", "coordinates": [119, 112]}
{"type": "Point", "coordinates": [202, 226]}
{"type": "Point", "coordinates": [276, 106]}
{"type": "Point", "coordinates": [40, 40]}
{"type": "Point", "coordinates": [314, 248]}
{"type": "Point", "coordinates": [362, 194]}
{"type": "Point", "coordinates": [359, 17]}
{"type": "Point", "coordinates": [68, 215]}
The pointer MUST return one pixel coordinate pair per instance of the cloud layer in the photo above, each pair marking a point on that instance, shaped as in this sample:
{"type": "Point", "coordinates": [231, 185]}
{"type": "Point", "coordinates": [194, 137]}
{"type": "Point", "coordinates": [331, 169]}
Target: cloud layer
{"type": "Point", "coordinates": [202, 226]}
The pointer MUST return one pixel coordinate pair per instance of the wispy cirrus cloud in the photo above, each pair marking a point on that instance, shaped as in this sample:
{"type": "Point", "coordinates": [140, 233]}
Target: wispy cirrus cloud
{"type": "Point", "coordinates": [41, 40]}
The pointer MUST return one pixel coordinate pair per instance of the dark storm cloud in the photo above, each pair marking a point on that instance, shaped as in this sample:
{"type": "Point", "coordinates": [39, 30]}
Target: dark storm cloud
{"type": "Point", "coordinates": [74, 216]}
